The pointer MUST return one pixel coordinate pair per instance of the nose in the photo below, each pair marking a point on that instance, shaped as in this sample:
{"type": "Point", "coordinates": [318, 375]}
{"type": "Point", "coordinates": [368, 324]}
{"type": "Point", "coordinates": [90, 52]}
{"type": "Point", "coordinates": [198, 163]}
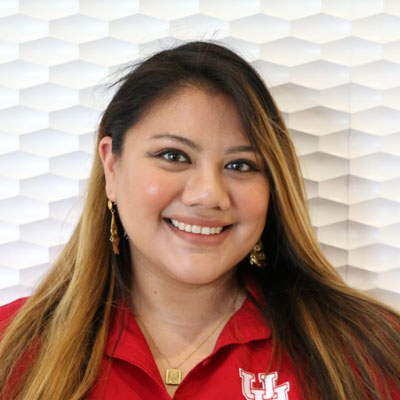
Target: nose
{"type": "Point", "coordinates": [206, 187]}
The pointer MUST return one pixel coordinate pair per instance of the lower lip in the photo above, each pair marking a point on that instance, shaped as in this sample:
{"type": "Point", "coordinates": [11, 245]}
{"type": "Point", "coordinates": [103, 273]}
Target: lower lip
{"type": "Point", "coordinates": [198, 238]}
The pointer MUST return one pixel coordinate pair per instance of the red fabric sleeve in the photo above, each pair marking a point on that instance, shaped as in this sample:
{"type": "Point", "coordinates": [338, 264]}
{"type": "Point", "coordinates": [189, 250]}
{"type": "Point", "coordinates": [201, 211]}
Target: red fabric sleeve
{"type": "Point", "coordinates": [8, 311]}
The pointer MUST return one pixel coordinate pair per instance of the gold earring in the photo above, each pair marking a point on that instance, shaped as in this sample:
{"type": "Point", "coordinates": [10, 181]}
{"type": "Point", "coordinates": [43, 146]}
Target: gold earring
{"type": "Point", "coordinates": [114, 238]}
{"type": "Point", "coordinates": [257, 255]}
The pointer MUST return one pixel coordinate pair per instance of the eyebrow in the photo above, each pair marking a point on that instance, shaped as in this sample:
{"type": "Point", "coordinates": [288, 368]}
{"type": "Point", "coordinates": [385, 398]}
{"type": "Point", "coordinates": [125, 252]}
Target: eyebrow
{"type": "Point", "coordinates": [197, 147]}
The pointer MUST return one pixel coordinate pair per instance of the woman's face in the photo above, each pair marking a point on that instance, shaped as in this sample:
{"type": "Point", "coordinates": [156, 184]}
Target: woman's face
{"type": "Point", "coordinates": [188, 163]}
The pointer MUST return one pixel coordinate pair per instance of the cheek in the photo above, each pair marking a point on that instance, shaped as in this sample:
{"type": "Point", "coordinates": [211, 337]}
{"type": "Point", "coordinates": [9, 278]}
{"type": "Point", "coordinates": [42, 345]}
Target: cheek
{"type": "Point", "coordinates": [254, 205]}
{"type": "Point", "coordinates": [149, 191]}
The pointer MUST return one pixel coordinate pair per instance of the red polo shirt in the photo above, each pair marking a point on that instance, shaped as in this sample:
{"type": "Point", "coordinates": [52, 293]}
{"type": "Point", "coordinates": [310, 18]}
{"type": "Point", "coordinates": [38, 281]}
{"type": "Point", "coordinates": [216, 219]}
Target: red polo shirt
{"type": "Point", "coordinates": [235, 369]}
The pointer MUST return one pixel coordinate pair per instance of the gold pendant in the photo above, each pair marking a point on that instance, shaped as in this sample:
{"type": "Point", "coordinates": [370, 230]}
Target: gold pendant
{"type": "Point", "coordinates": [173, 376]}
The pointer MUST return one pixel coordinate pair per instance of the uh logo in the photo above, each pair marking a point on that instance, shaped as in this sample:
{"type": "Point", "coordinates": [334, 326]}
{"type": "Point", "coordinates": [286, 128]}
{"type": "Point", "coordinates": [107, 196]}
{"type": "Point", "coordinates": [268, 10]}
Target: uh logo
{"type": "Point", "coordinates": [268, 390]}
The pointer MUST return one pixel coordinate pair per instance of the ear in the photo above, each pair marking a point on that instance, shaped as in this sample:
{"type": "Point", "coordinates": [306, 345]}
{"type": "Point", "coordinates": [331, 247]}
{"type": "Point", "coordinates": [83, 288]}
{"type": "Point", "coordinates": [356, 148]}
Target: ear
{"type": "Point", "coordinates": [110, 164]}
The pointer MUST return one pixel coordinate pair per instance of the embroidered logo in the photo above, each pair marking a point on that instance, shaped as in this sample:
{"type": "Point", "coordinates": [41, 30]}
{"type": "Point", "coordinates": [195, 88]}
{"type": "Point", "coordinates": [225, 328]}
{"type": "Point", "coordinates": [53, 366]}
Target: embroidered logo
{"type": "Point", "coordinates": [267, 386]}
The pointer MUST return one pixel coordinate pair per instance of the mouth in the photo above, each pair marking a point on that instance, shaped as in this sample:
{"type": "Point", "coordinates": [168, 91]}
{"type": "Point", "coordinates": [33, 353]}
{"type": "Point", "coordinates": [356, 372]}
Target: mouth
{"type": "Point", "coordinates": [196, 229]}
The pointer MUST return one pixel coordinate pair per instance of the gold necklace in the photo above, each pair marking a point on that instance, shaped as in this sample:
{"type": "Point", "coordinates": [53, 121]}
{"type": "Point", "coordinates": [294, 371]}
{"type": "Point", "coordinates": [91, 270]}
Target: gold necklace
{"type": "Point", "coordinates": [173, 375]}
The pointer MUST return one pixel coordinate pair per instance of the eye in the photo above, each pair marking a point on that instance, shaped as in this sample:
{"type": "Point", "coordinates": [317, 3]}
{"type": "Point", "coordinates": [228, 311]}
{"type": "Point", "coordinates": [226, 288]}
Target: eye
{"type": "Point", "coordinates": [242, 166]}
{"type": "Point", "coordinates": [173, 156]}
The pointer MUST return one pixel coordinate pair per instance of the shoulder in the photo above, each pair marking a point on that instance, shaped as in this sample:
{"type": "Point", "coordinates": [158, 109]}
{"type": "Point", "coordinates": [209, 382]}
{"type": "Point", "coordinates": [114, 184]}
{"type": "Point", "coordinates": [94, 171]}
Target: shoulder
{"type": "Point", "coordinates": [8, 311]}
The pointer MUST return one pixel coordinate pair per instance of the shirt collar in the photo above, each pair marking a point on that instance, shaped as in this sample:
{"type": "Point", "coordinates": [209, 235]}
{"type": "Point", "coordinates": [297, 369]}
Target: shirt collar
{"type": "Point", "coordinates": [127, 342]}
{"type": "Point", "coordinates": [246, 325]}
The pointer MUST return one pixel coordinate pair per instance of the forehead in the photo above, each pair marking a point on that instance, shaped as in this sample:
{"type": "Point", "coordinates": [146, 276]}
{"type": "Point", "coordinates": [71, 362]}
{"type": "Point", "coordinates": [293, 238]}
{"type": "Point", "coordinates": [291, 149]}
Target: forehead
{"type": "Point", "coordinates": [200, 114]}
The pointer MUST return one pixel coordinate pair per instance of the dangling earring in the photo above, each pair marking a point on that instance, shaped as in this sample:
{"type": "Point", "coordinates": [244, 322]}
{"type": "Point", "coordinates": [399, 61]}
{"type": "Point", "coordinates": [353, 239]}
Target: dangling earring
{"type": "Point", "coordinates": [257, 256]}
{"type": "Point", "coordinates": [114, 238]}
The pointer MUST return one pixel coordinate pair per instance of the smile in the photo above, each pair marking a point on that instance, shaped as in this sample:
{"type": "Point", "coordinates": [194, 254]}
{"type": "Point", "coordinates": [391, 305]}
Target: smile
{"type": "Point", "coordinates": [201, 230]}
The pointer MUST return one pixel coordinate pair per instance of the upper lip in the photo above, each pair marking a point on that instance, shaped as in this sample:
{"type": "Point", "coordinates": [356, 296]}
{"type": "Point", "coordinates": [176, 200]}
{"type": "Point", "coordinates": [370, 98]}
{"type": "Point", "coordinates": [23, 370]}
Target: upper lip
{"type": "Point", "coordinates": [200, 221]}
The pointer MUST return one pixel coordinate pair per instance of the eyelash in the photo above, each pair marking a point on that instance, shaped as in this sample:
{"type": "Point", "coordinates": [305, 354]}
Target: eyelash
{"type": "Point", "coordinates": [179, 153]}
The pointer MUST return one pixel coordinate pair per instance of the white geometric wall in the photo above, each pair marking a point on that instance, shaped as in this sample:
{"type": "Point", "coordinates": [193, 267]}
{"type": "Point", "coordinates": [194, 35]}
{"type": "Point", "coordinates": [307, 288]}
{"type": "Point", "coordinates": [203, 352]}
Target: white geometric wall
{"type": "Point", "coordinates": [332, 65]}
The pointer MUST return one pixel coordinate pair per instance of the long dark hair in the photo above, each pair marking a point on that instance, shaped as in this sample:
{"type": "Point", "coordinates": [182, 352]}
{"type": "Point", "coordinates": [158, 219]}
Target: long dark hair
{"type": "Point", "coordinates": [343, 344]}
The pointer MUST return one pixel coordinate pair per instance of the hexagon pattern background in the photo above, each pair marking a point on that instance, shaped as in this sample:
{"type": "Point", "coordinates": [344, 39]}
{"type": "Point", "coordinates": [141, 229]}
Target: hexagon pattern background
{"type": "Point", "coordinates": [333, 67]}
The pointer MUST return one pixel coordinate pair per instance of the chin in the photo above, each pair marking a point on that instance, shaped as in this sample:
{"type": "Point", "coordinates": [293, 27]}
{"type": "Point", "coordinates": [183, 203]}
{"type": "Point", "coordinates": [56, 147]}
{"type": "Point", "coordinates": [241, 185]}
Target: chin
{"type": "Point", "coordinates": [198, 275]}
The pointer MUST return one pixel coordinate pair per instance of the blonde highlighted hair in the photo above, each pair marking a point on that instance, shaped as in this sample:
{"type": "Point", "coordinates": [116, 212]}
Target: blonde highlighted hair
{"type": "Point", "coordinates": [343, 344]}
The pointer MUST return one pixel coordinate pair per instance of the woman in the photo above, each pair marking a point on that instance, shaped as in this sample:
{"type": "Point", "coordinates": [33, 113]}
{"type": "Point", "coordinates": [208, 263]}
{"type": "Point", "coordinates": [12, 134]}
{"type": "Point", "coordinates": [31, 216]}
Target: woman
{"type": "Point", "coordinates": [194, 272]}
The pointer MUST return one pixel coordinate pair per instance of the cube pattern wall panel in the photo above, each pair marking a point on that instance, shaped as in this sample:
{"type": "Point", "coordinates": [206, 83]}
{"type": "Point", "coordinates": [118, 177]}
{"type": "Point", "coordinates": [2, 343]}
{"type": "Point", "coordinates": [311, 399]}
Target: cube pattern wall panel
{"type": "Point", "coordinates": [333, 67]}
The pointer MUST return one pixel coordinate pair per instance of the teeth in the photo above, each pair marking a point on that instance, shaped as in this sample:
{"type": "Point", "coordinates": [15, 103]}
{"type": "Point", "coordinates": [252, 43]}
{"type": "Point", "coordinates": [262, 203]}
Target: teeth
{"type": "Point", "coordinates": [202, 230]}
{"type": "Point", "coordinates": [205, 230]}
{"type": "Point", "coordinates": [196, 229]}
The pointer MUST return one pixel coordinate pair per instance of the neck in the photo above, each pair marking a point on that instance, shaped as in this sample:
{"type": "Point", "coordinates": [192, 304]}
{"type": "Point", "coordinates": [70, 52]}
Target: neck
{"type": "Point", "coordinates": [182, 305]}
